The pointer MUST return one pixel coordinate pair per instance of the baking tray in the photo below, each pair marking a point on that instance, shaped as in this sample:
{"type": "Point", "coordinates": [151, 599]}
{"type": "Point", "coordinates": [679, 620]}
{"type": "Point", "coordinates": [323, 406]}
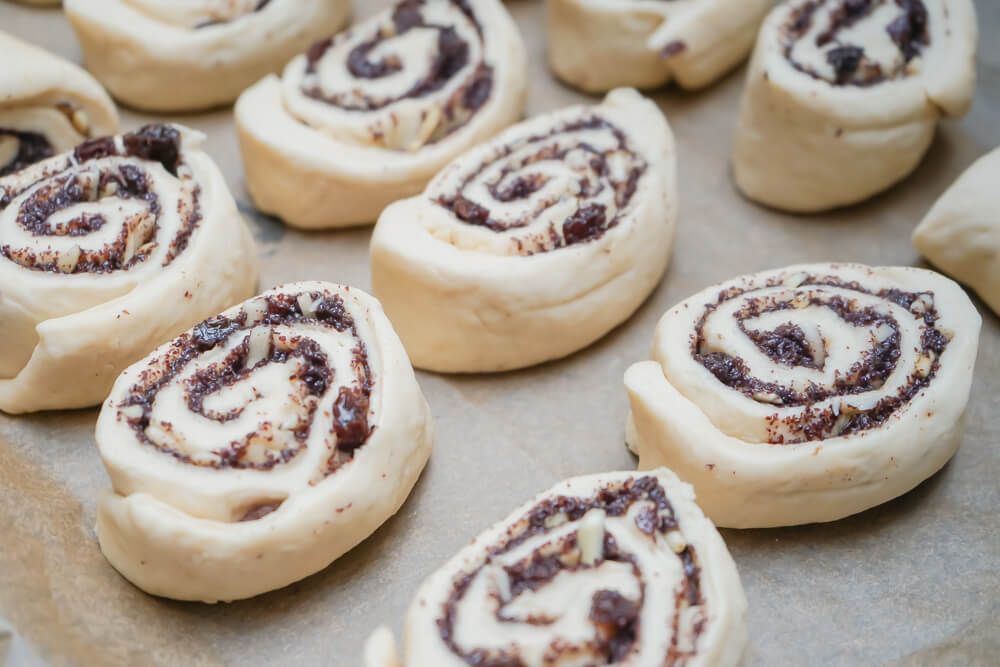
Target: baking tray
{"type": "Point", "coordinates": [913, 582]}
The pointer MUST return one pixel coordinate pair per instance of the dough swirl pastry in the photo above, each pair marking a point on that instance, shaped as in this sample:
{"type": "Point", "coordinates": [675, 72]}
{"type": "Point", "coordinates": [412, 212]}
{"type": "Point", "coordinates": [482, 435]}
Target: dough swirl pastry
{"type": "Point", "coordinates": [961, 233]}
{"type": "Point", "coordinates": [843, 96]}
{"type": "Point", "coordinates": [597, 45]}
{"type": "Point", "coordinates": [259, 446]}
{"type": "Point", "coordinates": [534, 245]}
{"type": "Point", "coordinates": [107, 251]}
{"type": "Point", "coordinates": [369, 116]}
{"type": "Point", "coordinates": [184, 55]}
{"type": "Point", "coordinates": [47, 105]}
{"type": "Point", "coordinates": [807, 393]}
{"type": "Point", "coordinates": [617, 568]}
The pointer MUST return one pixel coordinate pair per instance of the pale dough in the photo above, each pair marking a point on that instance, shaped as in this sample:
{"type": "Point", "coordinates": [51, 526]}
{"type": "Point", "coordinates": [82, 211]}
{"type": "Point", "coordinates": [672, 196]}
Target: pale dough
{"type": "Point", "coordinates": [227, 486]}
{"type": "Point", "coordinates": [47, 105]}
{"type": "Point", "coordinates": [534, 245]}
{"type": "Point", "coordinates": [961, 233]}
{"type": "Point", "coordinates": [186, 55]}
{"type": "Point", "coordinates": [807, 393]}
{"type": "Point", "coordinates": [325, 146]}
{"type": "Point", "coordinates": [597, 45]}
{"type": "Point", "coordinates": [77, 308]}
{"type": "Point", "coordinates": [828, 121]}
{"type": "Point", "coordinates": [488, 609]}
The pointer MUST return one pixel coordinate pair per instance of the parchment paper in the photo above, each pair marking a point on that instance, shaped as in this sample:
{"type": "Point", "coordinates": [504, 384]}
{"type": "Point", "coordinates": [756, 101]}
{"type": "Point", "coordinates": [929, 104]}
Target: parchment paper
{"type": "Point", "coordinates": [913, 582]}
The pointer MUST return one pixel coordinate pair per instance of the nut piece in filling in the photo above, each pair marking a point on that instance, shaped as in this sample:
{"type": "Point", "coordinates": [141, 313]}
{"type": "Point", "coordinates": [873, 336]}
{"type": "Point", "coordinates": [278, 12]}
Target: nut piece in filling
{"type": "Point", "coordinates": [534, 245]}
{"type": "Point", "coordinates": [617, 568]}
{"type": "Point", "coordinates": [260, 445]}
{"type": "Point", "coordinates": [808, 393]}
{"type": "Point", "coordinates": [842, 97]}
{"type": "Point", "coordinates": [367, 116]}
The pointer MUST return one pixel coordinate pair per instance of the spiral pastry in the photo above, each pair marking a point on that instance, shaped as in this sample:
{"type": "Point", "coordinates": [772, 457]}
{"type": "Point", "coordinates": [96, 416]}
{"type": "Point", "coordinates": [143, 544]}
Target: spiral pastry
{"type": "Point", "coordinates": [961, 233]}
{"type": "Point", "coordinates": [184, 55]}
{"type": "Point", "coordinates": [619, 568]}
{"type": "Point", "coordinates": [256, 448]}
{"type": "Point", "coordinates": [534, 245]}
{"type": "Point", "coordinates": [808, 393]}
{"type": "Point", "coordinates": [843, 96]}
{"type": "Point", "coordinates": [369, 116]}
{"type": "Point", "coordinates": [106, 252]}
{"type": "Point", "coordinates": [597, 45]}
{"type": "Point", "coordinates": [47, 105]}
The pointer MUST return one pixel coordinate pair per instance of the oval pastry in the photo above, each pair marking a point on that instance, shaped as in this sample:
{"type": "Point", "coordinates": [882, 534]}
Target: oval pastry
{"type": "Point", "coordinates": [47, 105]}
{"type": "Point", "coordinates": [369, 116]}
{"type": "Point", "coordinates": [808, 393]}
{"type": "Point", "coordinates": [842, 97]}
{"type": "Point", "coordinates": [184, 55]}
{"type": "Point", "coordinates": [534, 245]}
{"type": "Point", "coordinates": [106, 252]}
{"type": "Point", "coordinates": [597, 45]}
{"type": "Point", "coordinates": [256, 448]}
{"type": "Point", "coordinates": [610, 569]}
{"type": "Point", "coordinates": [961, 233]}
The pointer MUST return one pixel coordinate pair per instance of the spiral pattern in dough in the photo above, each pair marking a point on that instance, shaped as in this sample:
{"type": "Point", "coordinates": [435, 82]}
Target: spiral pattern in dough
{"type": "Point", "coordinates": [598, 45]}
{"type": "Point", "coordinates": [258, 447]}
{"type": "Point", "coordinates": [618, 568]}
{"type": "Point", "coordinates": [185, 55]}
{"type": "Point", "coordinates": [93, 243]}
{"type": "Point", "coordinates": [808, 393]}
{"type": "Point", "coordinates": [47, 105]}
{"type": "Point", "coordinates": [843, 96]}
{"type": "Point", "coordinates": [534, 245]}
{"type": "Point", "coordinates": [385, 105]}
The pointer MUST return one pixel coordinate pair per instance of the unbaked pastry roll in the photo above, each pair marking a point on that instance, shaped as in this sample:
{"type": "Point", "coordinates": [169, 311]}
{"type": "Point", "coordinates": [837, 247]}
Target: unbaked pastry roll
{"type": "Point", "coordinates": [47, 105]}
{"type": "Point", "coordinates": [961, 233]}
{"type": "Point", "coordinates": [617, 568]}
{"type": "Point", "coordinates": [842, 97]}
{"type": "Point", "coordinates": [807, 393]}
{"type": "Point", "coordinates": [534, 245]}
{"type": "Point", "coordinates": [106, 252]}
{"type": "Point", "coordinates": [184, 55]}
{"type": "Point", "coordinates": [369, 116]}
{"type": "Point", "coordinates": [598, 45]}
{"type": "Point", "coordinates": [261, 445]}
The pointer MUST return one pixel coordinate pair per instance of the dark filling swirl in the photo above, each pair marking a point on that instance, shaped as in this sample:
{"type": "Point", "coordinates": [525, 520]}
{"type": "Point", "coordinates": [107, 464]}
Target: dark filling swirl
{"type": "Point", "coordinates": [309, 385]}
{"type": "Point", "coordinates": [617, 619]}
{"type": "Point", "coordinates": [850, 62]}
{"type": "Point", "coordinates": [786, 344]}
{"type": "Point", "coordinates": [451, 60]}
{"type": "Point", "coordinates": [520, 179]}
{"type": "Point", "coordinates": [70, 184]}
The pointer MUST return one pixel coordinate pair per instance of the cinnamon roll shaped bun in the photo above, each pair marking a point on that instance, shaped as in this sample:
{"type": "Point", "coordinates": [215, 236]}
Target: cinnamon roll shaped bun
{"type": "Point", "coordinates": [597, 45]}
{"type": "Point", "coordinates": [369, 116]}
{"type": "Point", "coordinates": [610, 569]}
{"type": "Point", "coordinates": [961, 233]}
{"type": "Point", "coordinates": [184, 55]}
{"type": "Point", "coordinates": [256, 448]}
{"type": "Point", "coordinates": [808, 393]}
{"type": "Point", "coordinates": [107, 251]}
{"type": "Point", "coordinates": [47, 105]}
{"type": "Point", "coordinates": [534, 245]}
{"type": "Point", "coordinates": [842, 97]}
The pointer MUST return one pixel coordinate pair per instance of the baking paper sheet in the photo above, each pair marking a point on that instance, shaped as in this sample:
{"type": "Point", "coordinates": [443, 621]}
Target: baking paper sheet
{"type": "Point", "coordinates": [913, 582]}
